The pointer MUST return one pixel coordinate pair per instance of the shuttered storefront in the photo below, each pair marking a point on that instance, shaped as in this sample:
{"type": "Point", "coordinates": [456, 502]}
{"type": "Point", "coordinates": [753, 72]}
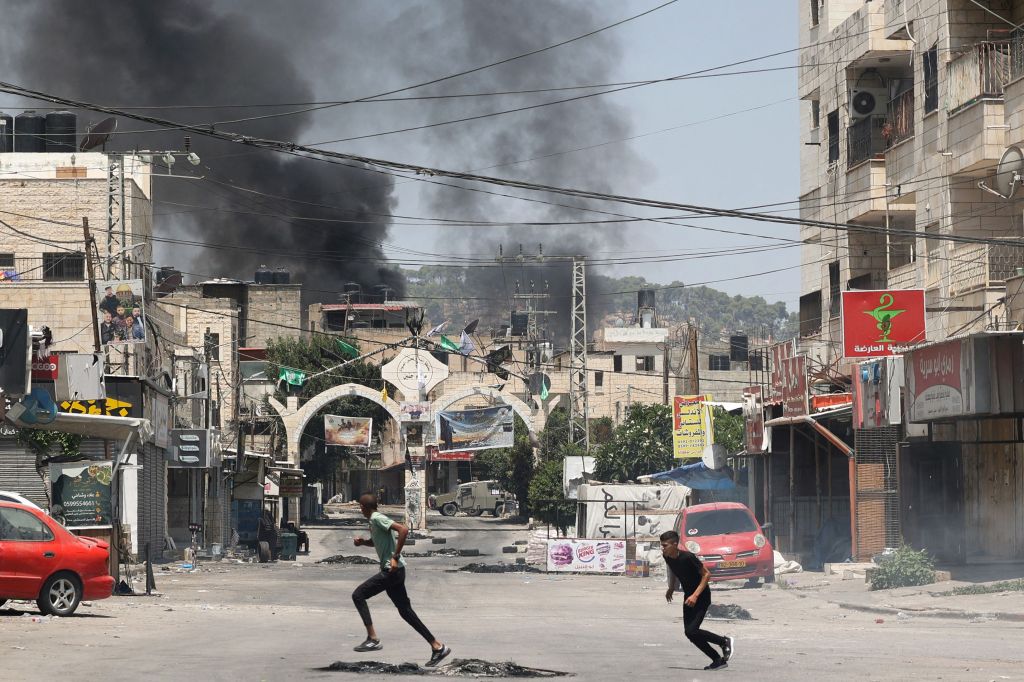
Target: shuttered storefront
{"type": "Point", "coordinates": [18, 472]}
{"type": "Point", "coordinates": [877, 497]}
{"type": "Point", "coordinates": [152, 500]}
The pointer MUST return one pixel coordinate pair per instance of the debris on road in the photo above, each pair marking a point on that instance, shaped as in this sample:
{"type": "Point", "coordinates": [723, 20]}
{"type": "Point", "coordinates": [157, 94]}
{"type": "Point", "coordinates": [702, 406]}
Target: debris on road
{"type": "Point", "coordinates": [499, 568]}
{"type": "Point", "coordinates": [460, 667]}
{"type": "Point", "coordinates": [342, 559]}
{"type": "Point", "coordinates": [448, 551]}
{"type": "Point", "coordinates": [729, 611]}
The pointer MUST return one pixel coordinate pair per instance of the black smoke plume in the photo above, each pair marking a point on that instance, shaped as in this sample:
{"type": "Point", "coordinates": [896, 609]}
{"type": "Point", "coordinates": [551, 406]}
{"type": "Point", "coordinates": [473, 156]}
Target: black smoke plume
{"type": "Point", "coordinates": [194, 52]}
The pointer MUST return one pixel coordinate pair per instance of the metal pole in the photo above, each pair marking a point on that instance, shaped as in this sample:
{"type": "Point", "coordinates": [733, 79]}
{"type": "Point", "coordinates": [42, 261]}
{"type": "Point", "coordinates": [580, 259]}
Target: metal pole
{"type": "Point", "coordinates": [817, 475]}
{"type": "Point", "coordinates": [664, 376]}
{"type": "Point", "coordinates": [89, 246]}
{"type": "Point", "coordinates": [694, 361]}
{"type": "Point", "coordinates": [792, 482]}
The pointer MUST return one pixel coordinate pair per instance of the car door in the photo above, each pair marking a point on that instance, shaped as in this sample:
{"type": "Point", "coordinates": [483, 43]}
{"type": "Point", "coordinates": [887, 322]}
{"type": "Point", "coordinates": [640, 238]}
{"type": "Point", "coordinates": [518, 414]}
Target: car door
{"type": "Point", "coordinates": [28, 553]}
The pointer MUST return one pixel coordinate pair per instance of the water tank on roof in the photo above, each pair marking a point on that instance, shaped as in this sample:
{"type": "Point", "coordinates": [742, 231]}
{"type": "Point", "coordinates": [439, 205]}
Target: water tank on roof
{"type": "Point", "coordinates": [6, 133]}
{"type": "Point", "coordinates": [29, 132]}
{"type": "Point", "coordinates": [645, 298]}
{"type": "Point", "coordinates": [61, 131]}
{"type": "Point", "coordinates": [738, 348]}
{"type": "Point", "coordinates": [520, 321]}
{"type": "Point", "coordinates": [282, 276]}
{"type": "Point", "coordinates": [264, 275]}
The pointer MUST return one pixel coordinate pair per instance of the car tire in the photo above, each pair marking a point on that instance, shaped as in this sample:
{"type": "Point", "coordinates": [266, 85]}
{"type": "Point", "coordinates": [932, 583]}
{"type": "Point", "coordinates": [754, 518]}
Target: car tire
{"type": "Point", "coordinates": [499, 509]}
{"type": "Point", "coordinates": [263, 551]}
{"type": "Point", "coordinates": [751, 582]}
{"type": "Point", "coordinates": [770, 578]}
{"type": "Point", "coordinates": [60, 595]}
{"type": "Point", "coordinates": [449, 509]}
{"type": "Point", "coordinates": [475, 512]}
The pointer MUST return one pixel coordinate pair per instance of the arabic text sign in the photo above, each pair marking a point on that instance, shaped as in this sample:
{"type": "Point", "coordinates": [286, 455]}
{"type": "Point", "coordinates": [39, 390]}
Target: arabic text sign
{"type": "Point", "coordinates": [481, 429]}
{"type": "Point", "coordinates": [753, 418]}
{"type": "Point", "coordinates": [587, 556]}
{"type": "Point", "coordinates": [935, 382]}
{"type": "Point", "coordinates": [348, 431]}
{"type": "Point", "coordinates": [691, 426]}
{"type": "Point", "coordinates": [882, 322]}
{"type": "Point", "coordinates": [793, 375]}
{"type": "Point", "coordinates": [81, 493]}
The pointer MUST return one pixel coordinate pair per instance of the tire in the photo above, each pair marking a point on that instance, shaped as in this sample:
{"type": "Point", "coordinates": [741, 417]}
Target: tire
{"type": "Point", "coordinates": [499, 509]}
{"type": "Point", "coordinates": [449, 509]}
{"type": "Point", "coordinates": [475, 512]}
{"type": "Point", "coordinates": [2, 602]}
{"type": "Point", "coordinates": [60, 595]}
{"type": "Point", "coordinates": [770, 578]}
{"type": "Point", "coordinates": [263, 551]}
{"type": "Point", "coordinates": [751, 582]}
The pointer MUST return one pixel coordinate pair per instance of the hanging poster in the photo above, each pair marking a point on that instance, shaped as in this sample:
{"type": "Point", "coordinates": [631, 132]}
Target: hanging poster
{"type": "Point", "coordinates": [81, 494]}
{"type": "Point", "coordinates": [692, 425]}
{"type": "Point", "coordinates": [480, 429]}
{"type": "Point", "coordinates": [121, 313]}
{"type": "Point", "coordinates": [348, 431]}
{"type": "Point", "coordinates": [587, 556]}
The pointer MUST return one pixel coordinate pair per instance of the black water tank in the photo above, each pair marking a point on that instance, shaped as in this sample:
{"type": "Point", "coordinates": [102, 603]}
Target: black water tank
{"type": "Point", "coordinates": [61, 131]}
{"type": "Point", "coordinates": [756, 362]}
{"type": "Point", "coordinates": [6, 133]}
{"type": "Point", "coordinates": [282, 276]}
{"type": "Point", "coordinates": [520, 322]}
{"type": "Point", "coordinates": [645, 298]}
{"type": "Point", "coordinates": [738, 348]}
{"type": "Point", "coordinates": [264, 275]}
{"type": "Point", "coordinates": [29, 132]}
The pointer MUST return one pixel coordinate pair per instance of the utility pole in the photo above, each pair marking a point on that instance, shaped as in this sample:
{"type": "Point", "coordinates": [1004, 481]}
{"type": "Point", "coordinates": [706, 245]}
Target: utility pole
{"type": "Point", "coordinates": [579, 433]}
{"type": "Point", "coordinates": [694, 362]}
{"type": "Point", "coordinates": [664, 375]}
{"type": "Point", "coordinates": [90, 246]}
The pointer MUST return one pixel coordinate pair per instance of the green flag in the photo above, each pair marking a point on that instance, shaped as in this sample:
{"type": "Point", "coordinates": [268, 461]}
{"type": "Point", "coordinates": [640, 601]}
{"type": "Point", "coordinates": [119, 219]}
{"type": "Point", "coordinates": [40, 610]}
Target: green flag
{"type": "Point", "coordinates": [293, 376]}
{"type": "Point", "coordinates": [448, 344]}
{"type": "Point", "coordinates": [348, 349]}
{"type": "Point", "coordinates": [544, 390]}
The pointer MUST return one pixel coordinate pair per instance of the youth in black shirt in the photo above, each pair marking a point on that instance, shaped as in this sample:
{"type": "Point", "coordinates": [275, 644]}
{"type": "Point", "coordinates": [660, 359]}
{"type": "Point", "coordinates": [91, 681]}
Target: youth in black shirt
{"type": "Point", "coordinates": [687, 572]}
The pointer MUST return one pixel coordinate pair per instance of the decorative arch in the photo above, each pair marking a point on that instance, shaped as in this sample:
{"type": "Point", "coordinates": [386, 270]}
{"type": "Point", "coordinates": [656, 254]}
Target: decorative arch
{"type": "Point", "coordinates": [296, 418]}
{"type": "Point", "coordinates": [533, 419]}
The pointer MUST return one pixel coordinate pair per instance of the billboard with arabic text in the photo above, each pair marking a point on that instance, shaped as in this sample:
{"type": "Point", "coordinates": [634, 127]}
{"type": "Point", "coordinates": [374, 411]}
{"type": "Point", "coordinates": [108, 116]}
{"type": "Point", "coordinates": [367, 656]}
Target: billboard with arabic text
{"type": "Point", "coordinates": [878, 323]}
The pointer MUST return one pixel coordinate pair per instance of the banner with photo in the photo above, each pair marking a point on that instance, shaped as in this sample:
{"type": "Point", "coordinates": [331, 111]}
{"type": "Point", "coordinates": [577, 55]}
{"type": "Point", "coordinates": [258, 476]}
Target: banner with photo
{"type": "Point", "coordinates": [121, 312]}
{"type": "Point", "coordinates": [81, 494]}
{"type": "Point", "coordinates": [480, 429]}
{"type": "Point", "coordinates": [350, 432]}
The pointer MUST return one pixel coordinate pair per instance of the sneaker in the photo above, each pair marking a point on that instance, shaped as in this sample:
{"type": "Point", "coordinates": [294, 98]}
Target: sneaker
{"type": "Point", "coordinates": [717, 665]}
{"type": "Point", "coordinates": [369, 645]}
{"type": "Point", "coordinates": [730, 646]}
{"type": "Point", "coordinates": [438, 656]}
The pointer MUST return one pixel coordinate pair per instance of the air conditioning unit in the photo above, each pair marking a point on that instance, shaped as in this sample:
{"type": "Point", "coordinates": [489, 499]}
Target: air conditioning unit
{"type": "Point", "coordinates": [868, 102]}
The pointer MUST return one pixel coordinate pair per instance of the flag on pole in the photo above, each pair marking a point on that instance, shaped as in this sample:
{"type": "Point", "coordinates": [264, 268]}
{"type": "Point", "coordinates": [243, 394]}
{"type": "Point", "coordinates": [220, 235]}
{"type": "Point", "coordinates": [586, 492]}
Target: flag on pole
{"type": "Point", "coordinates": [438, 329]}
{"type": "Point", "coordinates": [292, 376]}
{"type": "Point", "coordinates": [466, 344]}
{"type": "Point", "coordinates": [384, 393]}
{"type": "Point", "coordinates": [348, 349]}
{"type": "Point", "coordinates": [449, 345]}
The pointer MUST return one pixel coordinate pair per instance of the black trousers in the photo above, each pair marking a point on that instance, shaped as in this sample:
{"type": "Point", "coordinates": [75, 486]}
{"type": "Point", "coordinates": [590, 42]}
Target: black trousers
{"type": "Point", "coordinates": [702, 639]}
{"type": "Point", "coordinates": [394, 584]}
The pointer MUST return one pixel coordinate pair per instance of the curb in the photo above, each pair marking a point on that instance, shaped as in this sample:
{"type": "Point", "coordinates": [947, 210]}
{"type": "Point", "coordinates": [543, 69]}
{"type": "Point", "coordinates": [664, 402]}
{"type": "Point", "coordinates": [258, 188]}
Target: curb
{"type": "Point", "coordinates": [931, 613]}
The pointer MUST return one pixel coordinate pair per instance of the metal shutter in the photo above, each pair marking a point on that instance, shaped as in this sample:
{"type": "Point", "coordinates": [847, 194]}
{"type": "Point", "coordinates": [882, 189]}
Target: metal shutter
{"type": "Point", "coordinates": [18, 472]}
{"type": "Point", "coordinates": [877, 497]}
{"type": "Point", "coordinates": [152, 499]}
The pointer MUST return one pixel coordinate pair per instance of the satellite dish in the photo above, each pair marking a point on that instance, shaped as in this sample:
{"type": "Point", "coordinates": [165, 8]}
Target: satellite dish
{"type": "Point", "coordinates": [714, 456]}
{"type": "Point", "coordinates": [98, 134]}
{"type": "Point", "coordinates": [1008, 172]}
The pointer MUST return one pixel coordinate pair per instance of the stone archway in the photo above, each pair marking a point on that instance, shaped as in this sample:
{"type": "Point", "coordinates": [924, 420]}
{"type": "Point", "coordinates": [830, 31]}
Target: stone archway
{"type": "Point", "coordinates": [534, 419]}
{"type": "Point", "coordinates": [295, 418]}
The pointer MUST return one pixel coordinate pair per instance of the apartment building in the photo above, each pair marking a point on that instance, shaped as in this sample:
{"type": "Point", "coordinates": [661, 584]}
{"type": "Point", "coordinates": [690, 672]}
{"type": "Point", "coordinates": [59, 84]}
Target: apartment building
{"type": "Point", "coordinates": [907, 105]}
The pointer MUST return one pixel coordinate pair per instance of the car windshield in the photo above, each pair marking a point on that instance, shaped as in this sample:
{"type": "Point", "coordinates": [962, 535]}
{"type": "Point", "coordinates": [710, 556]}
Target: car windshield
{"type": "Point", "coordinates": [719, 522]}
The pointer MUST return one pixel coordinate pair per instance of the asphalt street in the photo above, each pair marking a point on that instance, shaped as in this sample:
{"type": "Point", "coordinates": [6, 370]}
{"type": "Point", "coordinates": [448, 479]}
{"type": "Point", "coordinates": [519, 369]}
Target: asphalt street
{"type": "Point", "coordinates": [286, 620]}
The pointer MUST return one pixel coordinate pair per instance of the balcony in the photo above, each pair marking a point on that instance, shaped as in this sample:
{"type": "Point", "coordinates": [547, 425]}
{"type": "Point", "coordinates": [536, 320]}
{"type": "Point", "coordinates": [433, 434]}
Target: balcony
{"type": "Point", "coordinates": [49, 267]}
{"type": "Point", "coordinates": [904, 277]}
{"type": "Point", "coordinates": [896, 19]}
{"type": "Point", "coordinates": [866, 140]}
{"type": "Point", "coordinates": [978, 73]}
{"type": "Point", "coordinates": [974, 267]}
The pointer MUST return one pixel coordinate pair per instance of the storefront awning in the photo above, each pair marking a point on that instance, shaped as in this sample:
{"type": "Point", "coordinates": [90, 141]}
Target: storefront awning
{"type": "Point", "coordinates": [95, 426]}
{"type": "Point", "coordinates": [812, 421]}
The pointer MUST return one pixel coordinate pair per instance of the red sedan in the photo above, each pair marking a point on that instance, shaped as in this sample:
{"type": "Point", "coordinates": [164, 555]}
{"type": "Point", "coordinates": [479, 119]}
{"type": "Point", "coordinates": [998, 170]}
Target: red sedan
{"type": "Point", "coordinates": [728, 539]}
{"type": "Point", "coordinates": [41, 560]}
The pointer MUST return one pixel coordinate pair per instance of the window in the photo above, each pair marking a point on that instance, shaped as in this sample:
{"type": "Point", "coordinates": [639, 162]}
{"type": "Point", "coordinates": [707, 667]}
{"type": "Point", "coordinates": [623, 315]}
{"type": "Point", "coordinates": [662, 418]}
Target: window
{"type": "Point", "coordinates": [931, 80]}
{"type": "Point", "coordinates": [718, 363]}
{"type": "Point", "coordinates": [833, 136]}
{"type": "Point", "coordinates": [810, 313]}
{"type": "Point", "coordinates": [215, 347]}
{"type": "Point", "coordinates": [6, 260]}
{"type": "Point", "coordinates": [645, 363]}
{"type": "Point", "coordinates": [814, 12]}
{"type": "Point", "coordinates": [63, 267]}
{"type": "Point", "coordinates": [815, 114]}
{"type": "Point", "coordinates": [598, 379]}
{"type": "Point", "coordinates": [833, 289]}
{"type": "Point", "coordinates": [616, 363]}
{"type": "Point", "coordinates": [18, 525]}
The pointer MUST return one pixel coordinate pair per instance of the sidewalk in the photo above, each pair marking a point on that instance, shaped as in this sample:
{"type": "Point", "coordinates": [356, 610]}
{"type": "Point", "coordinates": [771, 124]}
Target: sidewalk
{"type": "Point", "coordinates": [935, 600]}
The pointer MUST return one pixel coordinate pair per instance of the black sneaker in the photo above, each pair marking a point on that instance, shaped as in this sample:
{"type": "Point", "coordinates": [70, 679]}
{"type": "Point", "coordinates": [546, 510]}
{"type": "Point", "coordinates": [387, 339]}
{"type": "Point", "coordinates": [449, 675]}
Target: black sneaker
{"type": "Point", "coordinates": [717, 665]}
{"type": "Point", "coordinates": [729, 647]}
{"type": "Point", "coordinates": [438, 656]}
{"type": "Point", "coordinates": [369, 645]}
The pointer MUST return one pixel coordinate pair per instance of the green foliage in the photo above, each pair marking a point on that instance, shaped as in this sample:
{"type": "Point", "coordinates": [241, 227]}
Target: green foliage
{"type": "Point", "coordinates": [992, 588]}
{"type": "Point", "coordinates": [729, 430]}
{"type": "Point", "coordinates": [905, 567]}
{"type": "Point", "coordinates": [641, 445]}
{"type": "Point", "coordinates": [511, 467]}
{"type": "Point", "coordinates": [42, 443]}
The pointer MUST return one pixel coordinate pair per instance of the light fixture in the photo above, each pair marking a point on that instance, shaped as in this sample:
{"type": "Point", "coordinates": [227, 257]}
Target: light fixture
{"type": "Point", "coordinates": [193, 158]}
{"type": "Point", "coordinates": [168, 159]}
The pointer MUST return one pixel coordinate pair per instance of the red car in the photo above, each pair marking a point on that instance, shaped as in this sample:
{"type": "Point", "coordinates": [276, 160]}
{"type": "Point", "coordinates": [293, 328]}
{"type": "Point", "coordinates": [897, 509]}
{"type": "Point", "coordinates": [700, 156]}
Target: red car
{"type": "Point", "coordinates": [728, 539]}
{"type": "Point", "coordinates": [41, 560]}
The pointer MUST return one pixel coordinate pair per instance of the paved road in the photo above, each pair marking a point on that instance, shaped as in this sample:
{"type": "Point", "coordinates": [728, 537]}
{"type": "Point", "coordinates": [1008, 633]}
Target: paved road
{"type": "Point", "coordinates": [283, 621]}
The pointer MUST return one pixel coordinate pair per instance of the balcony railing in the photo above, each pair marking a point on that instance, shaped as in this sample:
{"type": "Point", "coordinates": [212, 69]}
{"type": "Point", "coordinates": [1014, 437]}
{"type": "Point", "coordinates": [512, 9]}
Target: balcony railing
{"type": "Point", "coordinates": [865, 140]}
{"type": "Point", "coordinates": [978, 73]}
{"type": "Point", "coordinates": [981, 266]}
{"type": "Point", "coordinates": [904, 277]}
{"type": "Point", "coordinates": [62, 267]}
{"type": "Point", "coordinates": [900, 123]}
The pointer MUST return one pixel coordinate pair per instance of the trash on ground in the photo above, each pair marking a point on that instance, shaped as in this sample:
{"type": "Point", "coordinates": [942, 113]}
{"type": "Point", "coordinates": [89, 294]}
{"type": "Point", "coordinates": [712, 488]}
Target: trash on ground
{"type": "Point", "coordinates": [730, 611]}
{"type": "Point", "coordinates": [342, 559]}
{"type": "Point", "coordinates": [460, 667]}
{"type": "Point", "coordinates": [783, 566]}
{"type": "Point", "coordinates": [499, 568]}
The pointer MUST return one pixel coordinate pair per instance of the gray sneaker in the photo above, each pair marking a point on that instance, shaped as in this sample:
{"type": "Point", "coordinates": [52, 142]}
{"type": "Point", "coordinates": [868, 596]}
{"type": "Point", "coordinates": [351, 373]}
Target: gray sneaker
{"type": "Point", "coordinates": [369, 645]}
{"type": "Point", "coordinates": [729, 648]}
{"type": "Point", "coordinates": [438, 656]}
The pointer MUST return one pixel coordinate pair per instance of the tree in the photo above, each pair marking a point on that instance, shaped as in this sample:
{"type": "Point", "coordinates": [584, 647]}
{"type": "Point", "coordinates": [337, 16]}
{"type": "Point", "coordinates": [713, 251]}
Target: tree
{"type": "Point", "coordinates": [641, 445]}
{"type": "Point", "coordinates": [729, 430]}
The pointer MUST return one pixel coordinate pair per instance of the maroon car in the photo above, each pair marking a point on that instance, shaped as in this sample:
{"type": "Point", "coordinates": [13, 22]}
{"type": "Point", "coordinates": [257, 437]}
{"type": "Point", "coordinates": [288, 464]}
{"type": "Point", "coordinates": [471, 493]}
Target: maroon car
{"type": "Point", "coordinates": [728, 539]}
{"type": "Point", "coordinates": [40, 560]}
